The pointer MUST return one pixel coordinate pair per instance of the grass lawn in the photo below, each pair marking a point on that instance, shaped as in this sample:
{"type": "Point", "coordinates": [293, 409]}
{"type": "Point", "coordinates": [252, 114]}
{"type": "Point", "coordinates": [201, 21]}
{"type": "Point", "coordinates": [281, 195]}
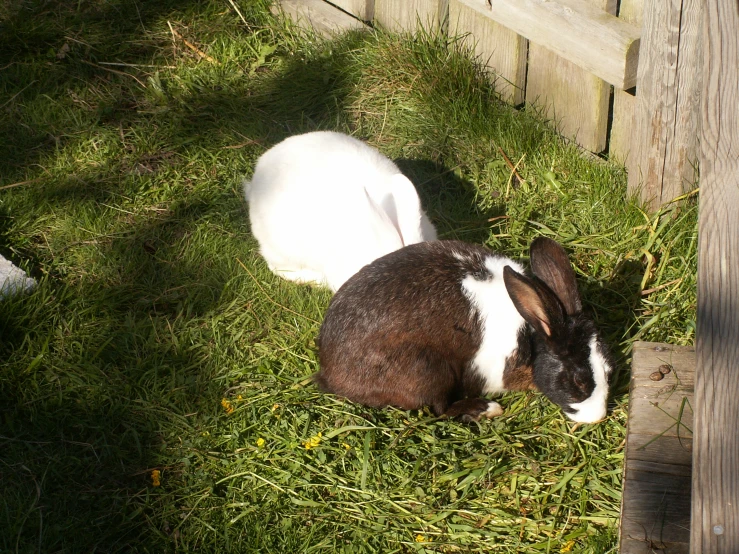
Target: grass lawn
{"type": "Point", "coordinates": [155, 389]}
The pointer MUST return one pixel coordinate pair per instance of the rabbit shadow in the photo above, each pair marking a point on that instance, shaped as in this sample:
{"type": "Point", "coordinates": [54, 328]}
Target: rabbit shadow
{"type": "Point", "coordinates": [449, 200]}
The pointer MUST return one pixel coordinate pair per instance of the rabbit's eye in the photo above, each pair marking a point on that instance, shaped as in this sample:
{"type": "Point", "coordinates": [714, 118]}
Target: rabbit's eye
{"type": "Point", "coordinates": [579, 382]}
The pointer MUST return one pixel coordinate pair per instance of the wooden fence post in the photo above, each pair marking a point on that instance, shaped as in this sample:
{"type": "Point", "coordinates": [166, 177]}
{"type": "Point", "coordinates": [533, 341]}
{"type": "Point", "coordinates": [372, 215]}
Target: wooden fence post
{"type": "Point", "coordinates": [405, 15]}
{"type": "Point", "coordinates": [502, 50]}
{"type": "Point", "coordinates": [624, 103]}
{"type": "Point", "coordinates": [362, 9]}
{"type": "Point", "coordinates": [321, 16]}
{"type": "Point", "coordinates": [667, 114]}
{"type": "Point", "coordinates": [574, 98]}
{"type": "Point", "coordinates": [715, 491]}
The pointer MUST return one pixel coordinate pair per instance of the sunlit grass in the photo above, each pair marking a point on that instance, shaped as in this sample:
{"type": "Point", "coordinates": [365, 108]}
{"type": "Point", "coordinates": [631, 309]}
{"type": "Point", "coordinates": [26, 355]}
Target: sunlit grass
{"type": "Point", "coordinates": [157, 339]}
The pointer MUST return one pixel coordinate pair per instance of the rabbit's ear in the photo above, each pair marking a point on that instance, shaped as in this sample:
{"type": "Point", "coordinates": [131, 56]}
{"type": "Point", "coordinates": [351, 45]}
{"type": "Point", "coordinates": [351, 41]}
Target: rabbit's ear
{"type": "Point", "coordinates": [406, 208]}
{"type": "Point", "coordinates": [535, 302]}
{"type": "Point", "coordinates": [384, 224]}
{"type": "Point", "coordinates": [549, 262]}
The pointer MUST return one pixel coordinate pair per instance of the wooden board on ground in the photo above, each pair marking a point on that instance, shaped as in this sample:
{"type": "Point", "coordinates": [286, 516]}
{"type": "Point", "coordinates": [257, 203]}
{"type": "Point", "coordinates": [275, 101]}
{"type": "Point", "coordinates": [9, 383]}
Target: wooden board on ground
{"type": "Point", "coordinates": [624, 102]}
{"type": "Point", "coordinates": [655, 507]}
{"type": "Point", "coordinates": [572, 97]}
{"type": "Point", "coordinates": [667, 118]}
{"type": "Point", "coordinates": [324, 18]}
{"type": "Point", "coordinates": [502, 50]}
{"type": "Point", "coordinates": [407, 15]}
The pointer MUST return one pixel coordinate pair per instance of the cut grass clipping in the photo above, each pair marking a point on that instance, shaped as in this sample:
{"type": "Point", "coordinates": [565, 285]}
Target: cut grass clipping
{"type": "Point", "coordinates": [155, 389]}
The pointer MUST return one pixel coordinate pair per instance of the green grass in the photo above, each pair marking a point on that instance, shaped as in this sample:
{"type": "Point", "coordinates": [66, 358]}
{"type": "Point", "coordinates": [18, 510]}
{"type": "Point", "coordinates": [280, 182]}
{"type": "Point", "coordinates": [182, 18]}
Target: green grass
{"type": "Point", "coordinates": [119, 191]}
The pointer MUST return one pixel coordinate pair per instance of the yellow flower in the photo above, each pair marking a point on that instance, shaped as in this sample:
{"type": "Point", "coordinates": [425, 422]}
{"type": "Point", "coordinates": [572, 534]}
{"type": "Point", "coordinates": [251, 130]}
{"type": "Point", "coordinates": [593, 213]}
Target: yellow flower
{"type": "Point", "coordinates": [348, 447]}
{"type": "Point", "coordinates": [312, 442]}
{"type": "Point", "coordinates": [227, 405]}
{"type": "Point", "coordinates": [567, 547]}
{"type": "Point", "coordinates": [239, 397]}
{"type": "Point", "coordinates": [420, 538]}
{"type": "Point", "coordinates": [260, 442]}
{"type": "Point", "coordinates": [155, 478]}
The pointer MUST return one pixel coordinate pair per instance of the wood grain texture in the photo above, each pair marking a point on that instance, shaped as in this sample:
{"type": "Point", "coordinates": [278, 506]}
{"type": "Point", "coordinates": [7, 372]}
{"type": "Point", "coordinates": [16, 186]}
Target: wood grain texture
{"type": "Point", "coordinates": [655, 508]}
{"type": "Point", "coordinates": [321, 16]}
{"type": "Point", "coordinates": [667, 102]}
{"type": "Point", "coordinates": [575, 99]}
{"type": "Point", "coordinates": [362, 9]}
{"type": "Point", "coordinates": [585, 32]}
{"type": "Point", "coordinates": [500, 49]}
{"type": "Point", "coordinates": [716, 440]}
{"type": "Point", "coordinates": [624, 102]}
{"type": "Point", "coordinates": [407, 15]}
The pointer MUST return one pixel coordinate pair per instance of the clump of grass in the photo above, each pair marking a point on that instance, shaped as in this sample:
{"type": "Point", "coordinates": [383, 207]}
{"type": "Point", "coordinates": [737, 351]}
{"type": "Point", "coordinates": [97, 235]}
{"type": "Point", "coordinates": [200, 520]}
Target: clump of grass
{"type": "Point", "coordinates": [158, 340]}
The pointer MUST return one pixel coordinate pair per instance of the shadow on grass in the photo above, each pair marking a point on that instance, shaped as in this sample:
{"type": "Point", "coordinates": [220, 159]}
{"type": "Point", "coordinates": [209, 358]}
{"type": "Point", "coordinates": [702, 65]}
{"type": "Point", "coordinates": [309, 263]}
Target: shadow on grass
{"type": "Point", "coordinates": [49, 49]}
{"type": "Point", "coordinates": [450, 201]}
{"type": "Point", "coordinates": [99, 381]}
{"type": "Point", "coordinates": [109, 363]}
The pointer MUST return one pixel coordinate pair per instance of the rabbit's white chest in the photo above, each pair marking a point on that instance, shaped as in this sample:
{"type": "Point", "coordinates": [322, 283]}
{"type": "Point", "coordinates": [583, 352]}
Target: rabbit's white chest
{"type": "Point", "coordinates": [500, 321]}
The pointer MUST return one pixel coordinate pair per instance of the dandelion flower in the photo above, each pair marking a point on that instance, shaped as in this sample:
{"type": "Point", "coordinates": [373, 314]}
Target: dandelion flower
{"type": "Point", "coordinates": [260, 442]}
{"type": "Point", "coordinates": [312, 442]}
{"type": "Point", "coordinates": [567, 547]}
{"type": "Point", "coordinates": [155, 474]}
{"type": "Point", "coordinates": [420, 538]}
{"type": "Point", "coordinates": [226, 403]}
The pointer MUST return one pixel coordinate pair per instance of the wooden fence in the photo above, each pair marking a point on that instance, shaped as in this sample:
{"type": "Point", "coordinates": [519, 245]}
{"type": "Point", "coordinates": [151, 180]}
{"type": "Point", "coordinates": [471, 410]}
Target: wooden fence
{"type": "Point", "coordinates": [621, 79]}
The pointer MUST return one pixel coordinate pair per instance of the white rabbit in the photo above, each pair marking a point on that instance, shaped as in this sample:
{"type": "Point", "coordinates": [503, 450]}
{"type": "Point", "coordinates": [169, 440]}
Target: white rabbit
{"type": "Point", "coordinates": [323, 205]}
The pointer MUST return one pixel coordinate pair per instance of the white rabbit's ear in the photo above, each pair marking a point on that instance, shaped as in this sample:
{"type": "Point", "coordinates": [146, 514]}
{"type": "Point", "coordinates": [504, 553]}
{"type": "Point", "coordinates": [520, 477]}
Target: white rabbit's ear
{"type": "Point", "coordinates": [407, 209]}
{"type": "Point", "coordinates": [384, 223]}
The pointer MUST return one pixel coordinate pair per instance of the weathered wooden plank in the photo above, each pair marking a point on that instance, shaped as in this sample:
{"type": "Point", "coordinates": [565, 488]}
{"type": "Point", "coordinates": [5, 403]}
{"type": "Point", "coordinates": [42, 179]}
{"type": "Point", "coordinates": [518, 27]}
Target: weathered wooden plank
{"type": "Point", "coordinates": [624, 102]}
{"type": "Point", "coordinates": [407, 15]}
{"type": "Point", "coordinates": [324, 18]}
{"type": "Point", "coordinates": [502, 50]}
{"type": "Point", "coordinates": [660, 512]}
{"type": "Point", "coordinates": [577, 30]}
{"type": "Point", "coordinates": [667, 411]}
{"type": "Point", "coordinates": [655, 508]}
{"type": "Point", "coordinates": [673, 450]}
{"type": "Point", "coordinates": [682, 369]}
{"type": "Point", "coordinates": [362, 9]}
{"type": "Point", "coordinates": [640, 546]}
{"type": "Point", "coordinates": [715, 521]}
{"type": "Point", "coordinates": [668, 83]}
{"type": "Point", "coordinates": [575, 99]}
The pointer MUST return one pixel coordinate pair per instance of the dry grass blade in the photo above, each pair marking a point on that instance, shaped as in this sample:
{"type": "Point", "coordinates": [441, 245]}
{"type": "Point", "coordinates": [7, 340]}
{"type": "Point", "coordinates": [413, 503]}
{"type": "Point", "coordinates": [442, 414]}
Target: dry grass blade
{"type": "Point", "coordinates": [191, 46]}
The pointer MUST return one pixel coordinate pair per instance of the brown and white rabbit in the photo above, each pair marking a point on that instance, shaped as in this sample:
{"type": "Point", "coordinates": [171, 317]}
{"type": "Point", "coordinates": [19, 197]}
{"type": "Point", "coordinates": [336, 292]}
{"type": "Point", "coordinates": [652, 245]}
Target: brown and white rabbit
{"type": "Point", "coordinates": [441, 323]}
{"type": "Point", "coordinates": [324, 204]}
